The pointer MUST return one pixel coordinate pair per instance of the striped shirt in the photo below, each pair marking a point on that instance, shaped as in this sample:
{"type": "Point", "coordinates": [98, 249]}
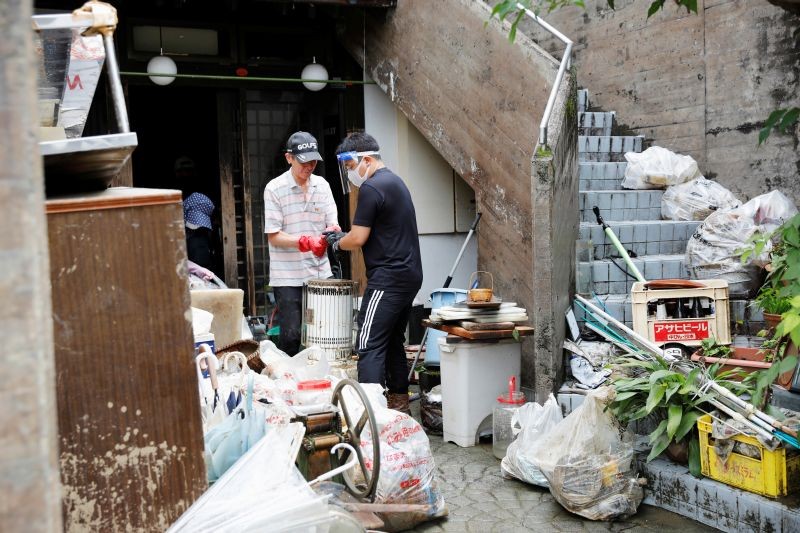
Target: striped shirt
{"type": "Point", "coordinates": [288, 209]}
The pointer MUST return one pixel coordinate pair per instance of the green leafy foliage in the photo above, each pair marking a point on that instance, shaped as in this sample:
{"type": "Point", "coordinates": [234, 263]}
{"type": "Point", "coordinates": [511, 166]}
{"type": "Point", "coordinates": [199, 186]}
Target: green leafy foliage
{"type": "Point", "coordinates": [657, 389]}
{"type": "Point", "coordinates": [770, 300]}
{"type": "Point", "coordinates": [711, 348]}
{"type": "Point", "coordinates": [782, 287]}
{"type": "Point", "coordinates": [780, 120]}
{"type": "Point", "coordinates": [757, 383]}
{"type": "Point", "coordinates": [510, 9]}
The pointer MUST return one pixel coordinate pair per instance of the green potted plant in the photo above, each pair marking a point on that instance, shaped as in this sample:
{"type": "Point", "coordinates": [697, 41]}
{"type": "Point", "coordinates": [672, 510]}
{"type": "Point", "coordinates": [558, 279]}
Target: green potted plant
{"type": "Point", "coordinates": [655, 389]}
{"type": "Point", "coordinates": [782, 287]}
{"type": "Point", "coordinates": [773, 305]}
{"type": "Point", "coordinates": [676, 400]}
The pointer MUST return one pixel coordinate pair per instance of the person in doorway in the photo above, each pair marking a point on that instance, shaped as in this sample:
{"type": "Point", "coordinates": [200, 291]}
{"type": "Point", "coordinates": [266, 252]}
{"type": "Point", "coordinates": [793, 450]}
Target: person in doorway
{"type": "Point", "coordinates": [298, 208]}
{"type": "Point", "coordinates": [385, 228]}
{"type": "Point", "coordinates": [197, 210]}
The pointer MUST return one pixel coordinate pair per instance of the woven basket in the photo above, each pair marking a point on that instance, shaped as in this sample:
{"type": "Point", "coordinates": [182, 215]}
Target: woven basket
{"type": "Point", "coordinates": [249, 348]}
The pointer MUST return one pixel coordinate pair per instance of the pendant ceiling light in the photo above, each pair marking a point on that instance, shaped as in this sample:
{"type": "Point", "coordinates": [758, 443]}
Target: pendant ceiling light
{"type": "Point", "coordinates": [314, 71]}
{"type": "Point", "coordinates": [161, 64]}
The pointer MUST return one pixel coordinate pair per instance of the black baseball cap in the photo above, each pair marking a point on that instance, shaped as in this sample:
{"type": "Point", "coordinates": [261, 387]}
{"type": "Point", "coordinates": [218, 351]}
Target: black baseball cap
{"type": "Point", "coordinates": [303, 146]}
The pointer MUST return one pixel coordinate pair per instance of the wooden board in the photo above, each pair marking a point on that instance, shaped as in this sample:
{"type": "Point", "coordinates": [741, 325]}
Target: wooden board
{"type": "Point", "coordinates": [129, 429]}
{"type": "Point", "coordinates": [523, 331]}
{"type": "Point", "coordinates": [473, 326]}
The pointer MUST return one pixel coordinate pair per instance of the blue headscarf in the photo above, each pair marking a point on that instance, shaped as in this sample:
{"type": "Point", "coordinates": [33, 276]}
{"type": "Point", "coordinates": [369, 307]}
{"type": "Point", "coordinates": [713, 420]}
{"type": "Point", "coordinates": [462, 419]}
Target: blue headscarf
{"type": "Point", "coordinates": [197, 209]}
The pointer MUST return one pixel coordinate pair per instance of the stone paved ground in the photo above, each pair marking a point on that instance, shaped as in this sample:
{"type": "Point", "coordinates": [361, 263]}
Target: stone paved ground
{"type": "Point", "coordinates": [480, 500]}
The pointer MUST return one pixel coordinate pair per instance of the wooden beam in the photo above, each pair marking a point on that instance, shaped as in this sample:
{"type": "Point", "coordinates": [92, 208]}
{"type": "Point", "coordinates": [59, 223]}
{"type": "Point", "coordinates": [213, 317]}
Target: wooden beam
{"type": "Point", "coordinates": [226, 107]}
{"type": "Point", "coordinates": [247, 211]}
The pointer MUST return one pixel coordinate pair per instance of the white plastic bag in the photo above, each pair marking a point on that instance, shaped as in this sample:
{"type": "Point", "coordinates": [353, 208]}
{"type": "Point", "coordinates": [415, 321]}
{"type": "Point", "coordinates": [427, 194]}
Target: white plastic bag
{"type": "Point", "coordinates": [311, 363]}
{"type": "Point", "coordinates": [227, 442]}
{"type": "Point", "coordinates": [263, 491]}
{"type": "Point", "coordinates": [656, 168]}
{"type": "Point", "coordinates": [588, 463]}
{"type": "Point", "coordinates": [529, 423]}
{"type": "Point", "coordinates": [408, 472]}
{"type": "Point", "coordinates": [696, 200]}
{"type": "Point", "coordinates": [770, 210]}
{"type": "Point", "coordinates": [715, 249]}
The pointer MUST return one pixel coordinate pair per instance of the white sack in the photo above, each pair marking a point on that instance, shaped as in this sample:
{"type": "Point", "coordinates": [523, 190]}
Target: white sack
{"type": "Point", "coordinates": [407, 472]}
{"type": "Point", "coordinates": [696, 200]}
{"type": "Point", "coordinates": [656, 168]}
{"type": "Point", "coordinates": [529, 423]}
{"type": "Point", "coordinates": [715, 249]}
{"type": "Point", "coordinates": [588, 463]}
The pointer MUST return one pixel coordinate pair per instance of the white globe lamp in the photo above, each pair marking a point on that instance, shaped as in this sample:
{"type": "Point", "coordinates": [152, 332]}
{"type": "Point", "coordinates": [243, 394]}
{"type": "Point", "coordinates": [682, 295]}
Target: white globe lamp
{"type": "Point", "coordinates": [162, 65]}
{"type": "Point", "coordinates": [314, 71]}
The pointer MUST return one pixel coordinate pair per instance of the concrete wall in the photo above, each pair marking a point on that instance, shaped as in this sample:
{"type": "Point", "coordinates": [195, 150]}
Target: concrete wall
{"type": "Point", "coordinates": [29, 481]}
{"type": "Point", "coordinates": [555, 225]}
{"type": "Point", "coordinates": [478, 101]}
{"type": "Point", "coordinates": [699, 84]}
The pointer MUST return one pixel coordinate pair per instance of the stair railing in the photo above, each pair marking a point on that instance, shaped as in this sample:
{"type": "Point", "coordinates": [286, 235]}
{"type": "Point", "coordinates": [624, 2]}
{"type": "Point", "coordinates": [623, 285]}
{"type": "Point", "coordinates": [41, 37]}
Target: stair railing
{"type": "Point", "coordinates": [562, 68]}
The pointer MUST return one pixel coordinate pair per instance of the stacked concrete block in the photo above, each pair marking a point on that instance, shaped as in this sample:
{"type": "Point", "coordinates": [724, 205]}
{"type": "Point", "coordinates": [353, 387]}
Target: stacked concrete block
{"type": "Point", "coordinates": [623, 205]}
{"type": "Point", "coordinates": [598, 123]}
{"type": "Point", "coordinates": [607, 148]}
{"type": "Point", "coordinates": [583, 100]}
{"type": "Point", "coordinates": [613, 271]}
{"type": "Point", "coordinates": [672, 487]}
{"type": "Point", "coordinates": [616, 305]}
{"type": "Point", "coordinates": [643, 237]}
{"type": "Point", "coordinates": [601, 176]}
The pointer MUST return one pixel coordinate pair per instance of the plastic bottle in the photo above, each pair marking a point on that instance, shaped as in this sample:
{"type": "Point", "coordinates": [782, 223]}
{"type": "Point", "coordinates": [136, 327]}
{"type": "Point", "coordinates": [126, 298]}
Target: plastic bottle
{"type": "Point", "coordinates": [313, 391]}
{"type": "Point", "coordinates": [507, 404]}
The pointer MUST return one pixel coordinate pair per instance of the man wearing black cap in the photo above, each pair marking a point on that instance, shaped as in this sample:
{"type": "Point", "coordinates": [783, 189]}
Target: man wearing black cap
{"type": "Point", "coordinates": [298, 207]}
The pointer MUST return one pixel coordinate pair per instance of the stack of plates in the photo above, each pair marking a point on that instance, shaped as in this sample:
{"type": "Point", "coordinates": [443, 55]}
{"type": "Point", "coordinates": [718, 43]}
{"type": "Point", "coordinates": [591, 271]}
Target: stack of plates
{"type": "Point", "coordinates": [504, 312]}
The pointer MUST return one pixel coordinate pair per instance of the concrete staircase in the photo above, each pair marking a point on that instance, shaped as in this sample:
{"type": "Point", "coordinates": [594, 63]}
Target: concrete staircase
{"type": "Point", "coordinates": [635, 216]}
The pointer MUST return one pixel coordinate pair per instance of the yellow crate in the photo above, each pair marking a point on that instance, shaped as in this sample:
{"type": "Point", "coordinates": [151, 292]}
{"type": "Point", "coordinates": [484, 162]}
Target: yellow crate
{"type": "Point", "coordinates": [716, 325]}
{"type": "Point", "coordinates": [768, 476]}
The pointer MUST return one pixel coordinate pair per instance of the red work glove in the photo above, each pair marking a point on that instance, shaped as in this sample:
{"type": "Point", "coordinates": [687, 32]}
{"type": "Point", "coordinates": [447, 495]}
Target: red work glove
{"type": "Point", "coordinates": [317, 245]}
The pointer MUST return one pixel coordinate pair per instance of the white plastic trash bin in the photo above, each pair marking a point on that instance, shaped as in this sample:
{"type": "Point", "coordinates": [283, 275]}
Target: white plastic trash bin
{"type": "Point", "coordinates": [473, 374]}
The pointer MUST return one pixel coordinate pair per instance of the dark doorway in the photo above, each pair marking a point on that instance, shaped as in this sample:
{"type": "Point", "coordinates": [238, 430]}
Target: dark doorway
{"type": "Point", "coordinates": [172, 123]}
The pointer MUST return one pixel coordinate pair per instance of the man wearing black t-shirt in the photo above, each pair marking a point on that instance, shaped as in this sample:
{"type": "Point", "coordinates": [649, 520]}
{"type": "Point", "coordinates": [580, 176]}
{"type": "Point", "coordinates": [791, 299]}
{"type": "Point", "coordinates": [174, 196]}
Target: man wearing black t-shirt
{"type": "Point", "coordinates": [385, 228]}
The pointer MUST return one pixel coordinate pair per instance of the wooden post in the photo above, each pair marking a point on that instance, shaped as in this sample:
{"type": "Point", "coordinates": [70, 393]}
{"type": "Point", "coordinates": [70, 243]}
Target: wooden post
{"type": "Point", "coordinates": [226, 107]}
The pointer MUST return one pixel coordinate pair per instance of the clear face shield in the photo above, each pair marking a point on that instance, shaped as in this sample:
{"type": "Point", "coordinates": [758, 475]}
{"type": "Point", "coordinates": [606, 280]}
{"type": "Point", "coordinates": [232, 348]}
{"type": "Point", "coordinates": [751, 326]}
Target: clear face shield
{"type": "Point", "coordinates": [348, 163]}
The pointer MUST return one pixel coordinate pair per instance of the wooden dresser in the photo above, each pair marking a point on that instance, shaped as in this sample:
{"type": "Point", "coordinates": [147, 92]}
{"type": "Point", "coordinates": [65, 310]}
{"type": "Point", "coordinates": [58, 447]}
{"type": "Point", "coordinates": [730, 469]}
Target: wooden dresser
{"type": "Point", "coordinates": [130, 435]}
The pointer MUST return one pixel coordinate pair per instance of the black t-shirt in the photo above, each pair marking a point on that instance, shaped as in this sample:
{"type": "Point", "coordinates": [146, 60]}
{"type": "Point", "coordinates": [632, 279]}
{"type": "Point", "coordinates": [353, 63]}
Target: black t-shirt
{"type": "Point", "coordinates": [391, 253]}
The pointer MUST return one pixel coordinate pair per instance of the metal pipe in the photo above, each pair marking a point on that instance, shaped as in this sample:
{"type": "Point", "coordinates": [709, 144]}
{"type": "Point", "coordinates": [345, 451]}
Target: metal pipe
{"type": "Point", "coordinates": [562, 68]}
{"type": "Point", "coordinates": [117, 95]}
{"type": "Point", "coordinates": [750, 424]}
{"type": "Point", "coordinates": [242, 78]}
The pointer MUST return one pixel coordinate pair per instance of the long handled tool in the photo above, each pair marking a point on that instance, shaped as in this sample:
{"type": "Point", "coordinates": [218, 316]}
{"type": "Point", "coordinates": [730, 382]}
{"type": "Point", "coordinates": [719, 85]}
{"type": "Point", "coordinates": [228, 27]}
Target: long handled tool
{"type": "Point", "coordinates": [446, 285]}
{"type": "Point", "coordinates": [618, 245]}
